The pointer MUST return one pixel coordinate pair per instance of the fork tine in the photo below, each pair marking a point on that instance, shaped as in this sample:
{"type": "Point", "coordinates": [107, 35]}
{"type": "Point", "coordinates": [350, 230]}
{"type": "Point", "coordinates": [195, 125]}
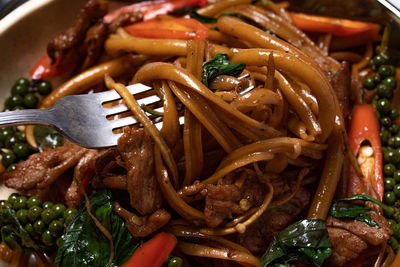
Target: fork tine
{"type": "Point", "coordinates": [114, 110]}
{"type": "Point", "coordinates": [113, 95]}
{"type": "Point", "coordinates": [119, 123]}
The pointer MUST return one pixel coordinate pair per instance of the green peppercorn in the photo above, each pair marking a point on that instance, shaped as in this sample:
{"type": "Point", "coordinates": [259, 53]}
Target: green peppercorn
{"type": "Point", "coordinates": [383, 90]}
{"type": "Point", "coordinates": [386, 121]}
{"type": "Point", "coordinates": [56, 228]}
{"type": "Point", "coordinates": [391, 222]}
{"type": "Point", "coordinates": [20, 203]}
{"type": "Point", "coordinates": [21, 150]}
{"type": "Point", "coordinates": [13, 197]}
{"type": "Point", "coordinates": [70, 212]}
{"type": "Point", "coordinates": [4, 204]}
{"type": "Point", "coordinates": [384, 71]}
{"type": "Point", "coordinates": [5, 133]}
{"type": "Point", "coordinates": [10, 142]}
{"type": "Point", "coordinates": [29, 229]}
{"type": "Point", "coordinates": [396, 176]}
{"type": "Point", "coordinates": [390, 142]}
{"type": "Point", "coordinates": [175, 262]}
{"type": "Point", "coordinates": [47, 205]}
{"type": "Point", "coordinates": [34, 213]}
{"type": "Point", "coordinates": [30, 100]}
{"type": "Point", "coordinates": [390, 82]}
{"type": "Point", "coordinates": [20, 136]}
{"type": "Point", "coordinates": [44, 88]}
{"type": "Point", "coordinates": [369, 83]}
{"type": "Point", "coordinates": [59, 209]}
{"type": "Point", "coordinates": [39, 226]}
{"type": "Point", "coordinates": [388, 169]}
{"type": "Point", "coordinates": [389, 183]}
{"type": "Point", "coordinates": [19, 89]}
{"type": "Point", "coordinates": [385, 135]}
{"type": "Point", "coordinates": [34, 201]}
{"type": "Point", "coordinates": [396, 216]}
{"type": "Point", "coordinates": [14, 101]}
{"type": "Point", "coordinates": [377, 78]}
{"type": "Point", "coordinates": [396, 230]}
{"type": "Point", "coordinates": [378, 60]}
{"type": "Point", "coordinates": [383, 106]}
{"type": "Point", "coordinates": [390, 198]}
{"type": "Point", "coordinates": [8, 159]}
{"type": "Point", "coordinates": [393, 243]}
{"type": "Point", "coordinates": [394, 128]}
{"type": "Point", "coordinates": [396, 190]}
{"type": "Point", "coordinates": [47, 239]}
{"type": "Point", "coordinates": [22, 81]}
{"type": "Point", "coordinates": [11, 168]}
{"type": "Point", "coordinates": [48, 215]}
{"type": "Point", "coordinates": [22, 216]}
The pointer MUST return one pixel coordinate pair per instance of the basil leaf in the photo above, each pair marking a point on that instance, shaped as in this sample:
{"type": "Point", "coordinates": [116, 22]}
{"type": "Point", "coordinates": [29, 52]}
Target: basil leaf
{"type": "Point", "coordinates": [203, 19]}
{"type": "Point", "coordinates": [356, 211]}
{"type": "Point", "coordinates": [220, 65]}
{"type": "Point", "coordinates": [47, 137]}
{"type": "Point", "coordinates": [305, 241]}
{"type": "Point", "coordinates": [84, 244]}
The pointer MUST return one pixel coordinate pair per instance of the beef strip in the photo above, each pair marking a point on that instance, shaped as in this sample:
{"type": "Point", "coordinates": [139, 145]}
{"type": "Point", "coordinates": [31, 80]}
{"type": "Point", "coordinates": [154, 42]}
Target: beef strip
{"type": "Point", "coordinates": [93, 44]}
{"type": "Point", "coordinates": [261, 232]}
{"type": "Point", "coordinates": [221, 203]}
{"type": "Point", "coordinates": [73, 198]}
{"type": "Point", "coordinates": [42, 169]}
{"type": "Point", "coordinates": [136, 149]}
{"type": "Point", "coordinates": [89, 14]}
{"type": "Point", "coordinates": [341, 85]}
{"type": "Point", "coordinates": [349, 236]}
{"type": "Point", "coordinates": [142, 226]}
{"type": "Point", "coordinates": [125, 19]}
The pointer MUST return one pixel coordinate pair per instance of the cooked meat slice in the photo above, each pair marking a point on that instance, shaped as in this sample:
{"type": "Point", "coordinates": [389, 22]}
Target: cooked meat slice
{"type": "Point", "coordinates": [345, 246]}
{"type": "Point", "coordinates": [372, 235]}
{"type": "Point", "coordinates": [221, 202]}
{"type": "Point", "coordinates": [42, 169]}
{"type": "Point", "coordinates": [93, 44]}
{"type": "Point", "coordinates": [101, 161]}
{"type": "Point", "coordinates": [341, 85]}
{"type": "Point", "coordinates": [254, 191]}
{"type": "Point", "coordinates": [193, 192]}
{"type": "Point", "coordinates": [142, 226]}
{"type": "Point", "coordinates": [84, 167]}
{"type": "Point", "coordinates": [136, 149]}
{"type": "Point", "coordinates": [116, 182]}
{"type": "Point", "coordinates": [89, 14]}
{"type": "Point", "coordinates": [125, 19]}
{"type": "Point", "coordinates": [260, 233]}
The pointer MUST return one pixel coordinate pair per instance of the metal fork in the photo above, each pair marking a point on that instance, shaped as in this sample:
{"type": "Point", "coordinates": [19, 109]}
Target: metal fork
{"type": "Point", "coordinates": [83, 118]}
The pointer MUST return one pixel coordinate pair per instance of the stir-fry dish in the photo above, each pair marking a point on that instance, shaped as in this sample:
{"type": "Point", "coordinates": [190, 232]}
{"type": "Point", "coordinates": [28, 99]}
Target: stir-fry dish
{"type": "Point", "coordinates": [276, 141]}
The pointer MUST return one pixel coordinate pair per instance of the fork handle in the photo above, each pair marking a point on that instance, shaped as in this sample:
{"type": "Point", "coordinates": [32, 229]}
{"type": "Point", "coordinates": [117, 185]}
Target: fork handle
{"type": "Point", "coordinates": [27, 116]}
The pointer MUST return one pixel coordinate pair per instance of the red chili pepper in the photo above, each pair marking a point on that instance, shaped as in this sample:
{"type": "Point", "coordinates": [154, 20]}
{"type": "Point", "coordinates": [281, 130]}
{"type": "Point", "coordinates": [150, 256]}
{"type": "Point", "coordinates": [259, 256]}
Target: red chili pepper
{"type": "Point", "coordinates": [151, 9]}
{"type": "Point", "coordinates": [44, 68]}
{"type": "Point", "coordinates": [85, 181]}
{"type": "Point", "coordinates": [169, 28]}
{"type": "Point", "coordinates": [336, 26]}
{"type": "Point", "coordinates": [153, 253]}
{"type": "Point", "coordinates": [364, 126]}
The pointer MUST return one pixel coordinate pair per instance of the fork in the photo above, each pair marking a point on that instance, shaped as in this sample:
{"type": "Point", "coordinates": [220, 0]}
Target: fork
{"type": "Point", "coordinates": [84, 119]}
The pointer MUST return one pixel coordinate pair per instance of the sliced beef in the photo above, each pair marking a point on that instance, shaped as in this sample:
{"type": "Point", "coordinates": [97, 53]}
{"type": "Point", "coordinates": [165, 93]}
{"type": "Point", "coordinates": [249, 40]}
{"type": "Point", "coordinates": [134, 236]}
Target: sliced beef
{"type": "Point", "coordinates": [341, 85]}
{"type": "Point", "coordinates": [125, 19]}
{"type": "Point", "coordinates": [84, 167]}
{"type": "Point", "coordinates": [221, 202]}
{"type": "Point", "coordinates": [142, 226]}
{"type": "Point", "coordinates": [260, 233]}
{"type": "Point", "coordinates": [42, 169]}
{"type": "Point", "coordinates": [89, 15]}
{"type": "Point", "coordinates": [350, 237]}
{"type": "Point", "coordinates": [136, 149]}
{"type": "Point", "coordinates": [93, 44]}
{"type": "Point", "coordinates": [345, 246]}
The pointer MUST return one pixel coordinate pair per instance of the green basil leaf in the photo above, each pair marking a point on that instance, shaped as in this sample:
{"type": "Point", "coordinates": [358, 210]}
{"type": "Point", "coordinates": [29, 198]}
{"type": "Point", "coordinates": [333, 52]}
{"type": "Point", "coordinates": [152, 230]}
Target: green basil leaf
{"type": "Point", "coordinates": [203, 19]}
{"type": "Point", "coordinates": [84, 244]}
{"type": "Point", "coordinates": [47, 137]}
{"type": "Point", "coordinates": [220, 65]}
{"type": "Point", "coordinates": [305, 241]}
{"type": "Point", "coordinates": [356, 211]}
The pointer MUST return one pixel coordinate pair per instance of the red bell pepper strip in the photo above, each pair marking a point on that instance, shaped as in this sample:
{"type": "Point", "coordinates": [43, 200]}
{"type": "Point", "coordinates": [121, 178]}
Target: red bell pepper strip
{"type": "Point", "coordinates": [153, 253]}
{"type": "Point", "coordinates": [151, 9]}
{"type": "Point", "coordinates": [45, 69]}
{"type": "Point", "coordinates": [336, 26]}
{"type": "Point", "coordinates": [364, 126]}
{"type": "Point", "coordinates": [85, 181]}
{"type": "Point", "coordinates": [169, 28]}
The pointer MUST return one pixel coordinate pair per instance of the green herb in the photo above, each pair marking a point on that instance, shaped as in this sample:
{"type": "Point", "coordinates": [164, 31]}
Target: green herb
{"type": "Point", "coordinates": [264, 2]}
{"type": "Point", "coordinates": [357, 211]}
{"type": "Point", "coordinates": [204, 19]}
{"type": "Point", "coordinates": [220, 65]}
{"type": "Point", "coordinates": [84, 244]}
{"type": "Point", "coordinates": [151, 111]}
{"type": "Point", "coordinates": [305, 241]}
{"type": "Point", "coordinates": [47, 137]}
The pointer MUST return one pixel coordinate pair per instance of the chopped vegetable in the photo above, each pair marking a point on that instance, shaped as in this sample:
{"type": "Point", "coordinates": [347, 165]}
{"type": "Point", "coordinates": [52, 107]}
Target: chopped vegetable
{"type": "Point", "coordinates": [364, 127]}
{"type": "Point", "coordinates": [169, 28]}
{"type": "Point", "coordinates": [336, 26]}
{"type": "Point", "coordinates": [151, 9]}
{"type": "Point", "coordinates": [357, 211]}
{"type": "Point", "coordinates": [84, 244]}
{"type": "Point", "coordinates": [153, 252]}
{"type": "Point", "coordinates": [305, 242]}
{"type": "Point", "coordinates": [220, 65]}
